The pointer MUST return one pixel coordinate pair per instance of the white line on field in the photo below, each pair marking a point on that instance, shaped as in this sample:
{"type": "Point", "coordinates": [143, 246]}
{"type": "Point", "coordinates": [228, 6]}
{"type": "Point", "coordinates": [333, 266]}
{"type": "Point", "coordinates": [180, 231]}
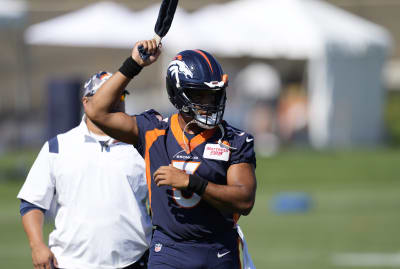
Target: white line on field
{"type": "Point", "coordinates": [366, 259]}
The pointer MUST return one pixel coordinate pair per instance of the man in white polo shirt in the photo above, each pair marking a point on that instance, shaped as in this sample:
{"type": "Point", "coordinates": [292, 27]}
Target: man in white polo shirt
{"type": "Point", "coordinates": [98, 190]}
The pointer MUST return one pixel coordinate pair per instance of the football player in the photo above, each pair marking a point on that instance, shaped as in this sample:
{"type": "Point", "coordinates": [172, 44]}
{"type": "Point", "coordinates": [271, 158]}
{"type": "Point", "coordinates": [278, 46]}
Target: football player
{"type": "Point", "coordinates": [200, 170]}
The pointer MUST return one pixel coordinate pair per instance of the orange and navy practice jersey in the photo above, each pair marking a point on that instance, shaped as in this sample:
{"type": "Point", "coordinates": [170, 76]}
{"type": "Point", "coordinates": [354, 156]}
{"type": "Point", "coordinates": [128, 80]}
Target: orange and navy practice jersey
{"type": "Point", "coordinates": [183, 215]}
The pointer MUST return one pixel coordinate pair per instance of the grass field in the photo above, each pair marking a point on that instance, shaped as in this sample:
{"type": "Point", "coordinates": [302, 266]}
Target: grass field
{"type": "Point", "coordinates": [356, 209]}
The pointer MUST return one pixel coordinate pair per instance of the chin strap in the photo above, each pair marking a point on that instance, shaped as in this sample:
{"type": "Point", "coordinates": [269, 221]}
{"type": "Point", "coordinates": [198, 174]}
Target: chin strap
{"type": "Point", "coordinates": [183, 134]}
{"type": "Point", "coordinates": [222, 136]}
{"type": "Point", "coordinates": [219, 140]}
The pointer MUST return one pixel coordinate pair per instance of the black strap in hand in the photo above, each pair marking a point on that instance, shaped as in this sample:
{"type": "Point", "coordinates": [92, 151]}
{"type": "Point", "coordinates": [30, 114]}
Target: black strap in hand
{"type": "Point", "coordinates": [143, 53]}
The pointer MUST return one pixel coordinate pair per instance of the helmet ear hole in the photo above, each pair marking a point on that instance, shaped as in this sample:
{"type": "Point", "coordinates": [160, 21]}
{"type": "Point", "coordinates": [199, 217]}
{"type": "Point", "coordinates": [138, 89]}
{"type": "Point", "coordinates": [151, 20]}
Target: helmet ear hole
{"type": "Point", "coordinates": [185, 109]}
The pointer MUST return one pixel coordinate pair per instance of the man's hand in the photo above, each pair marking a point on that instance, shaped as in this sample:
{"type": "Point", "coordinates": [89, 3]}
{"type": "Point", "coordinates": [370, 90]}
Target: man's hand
{"type": "Point", "coordinates": [151, 47]}
{"type": "Point", "coordinates": [171, 176]}
{"type": "Point", "coordinates": [42, 257]}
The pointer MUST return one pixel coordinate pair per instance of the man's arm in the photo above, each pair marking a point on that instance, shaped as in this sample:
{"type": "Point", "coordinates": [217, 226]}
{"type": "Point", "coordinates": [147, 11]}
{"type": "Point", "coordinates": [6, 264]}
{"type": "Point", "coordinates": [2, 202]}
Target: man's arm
{"type": "Point", "coordinates": [238, 196]}
{"type": "Point", "coordinates": [42, 257]}
{"type": "Point", "coordinates": [118, 125]}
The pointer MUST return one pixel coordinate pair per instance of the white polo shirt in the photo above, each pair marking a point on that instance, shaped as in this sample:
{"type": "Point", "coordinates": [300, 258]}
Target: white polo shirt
{"type": "Point", "coordinates": [99, 193]}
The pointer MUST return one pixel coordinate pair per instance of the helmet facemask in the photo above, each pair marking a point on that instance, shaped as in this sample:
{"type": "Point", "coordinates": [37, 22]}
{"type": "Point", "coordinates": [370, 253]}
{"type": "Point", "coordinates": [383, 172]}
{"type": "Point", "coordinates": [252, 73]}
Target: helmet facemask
{"type": "Point", "coordinates": [205, 106]}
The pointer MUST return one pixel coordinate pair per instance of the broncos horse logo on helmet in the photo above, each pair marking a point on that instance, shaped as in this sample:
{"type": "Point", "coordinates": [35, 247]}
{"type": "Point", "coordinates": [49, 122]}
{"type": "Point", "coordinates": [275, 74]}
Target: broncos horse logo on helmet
{"type": "Point", "coordinates": [176, 67]}
{"type": "Point", "coordinates": [192, 73]}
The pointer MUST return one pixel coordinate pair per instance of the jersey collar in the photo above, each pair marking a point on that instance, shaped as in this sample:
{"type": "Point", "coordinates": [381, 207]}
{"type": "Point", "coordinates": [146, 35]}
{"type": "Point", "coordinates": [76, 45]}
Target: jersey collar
{"type": "Point", "coordinates": [195, 141]}
{"type": "Point", "coordinates": [88, 137]}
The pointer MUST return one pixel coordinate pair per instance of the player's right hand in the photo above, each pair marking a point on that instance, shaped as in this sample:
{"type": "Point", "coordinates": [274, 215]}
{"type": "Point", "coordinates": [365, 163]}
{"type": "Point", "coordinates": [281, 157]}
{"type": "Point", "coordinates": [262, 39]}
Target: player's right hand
{"type": "Point", "coordinates": [42, 257]}
{"type": "Point", "coordinates": [151, 47]}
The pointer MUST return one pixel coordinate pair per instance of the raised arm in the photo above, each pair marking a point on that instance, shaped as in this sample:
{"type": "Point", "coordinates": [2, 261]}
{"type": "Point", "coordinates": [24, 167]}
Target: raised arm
{"type": "Point", "coordinates": [99, 110]}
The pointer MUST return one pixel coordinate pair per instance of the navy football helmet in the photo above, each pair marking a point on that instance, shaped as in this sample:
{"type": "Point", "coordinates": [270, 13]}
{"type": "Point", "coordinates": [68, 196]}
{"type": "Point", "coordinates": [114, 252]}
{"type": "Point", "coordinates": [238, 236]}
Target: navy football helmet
{"type": "Point", "coordinates": [196, 86]}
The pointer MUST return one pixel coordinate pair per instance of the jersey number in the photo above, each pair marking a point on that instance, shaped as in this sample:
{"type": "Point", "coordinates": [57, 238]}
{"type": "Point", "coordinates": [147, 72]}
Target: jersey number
{"type": "Point", "coordinates": [179, 198]}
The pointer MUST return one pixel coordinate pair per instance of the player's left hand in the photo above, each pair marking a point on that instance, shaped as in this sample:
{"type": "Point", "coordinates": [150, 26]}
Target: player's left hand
{"type": "Point", "coordinates": [171, 176]}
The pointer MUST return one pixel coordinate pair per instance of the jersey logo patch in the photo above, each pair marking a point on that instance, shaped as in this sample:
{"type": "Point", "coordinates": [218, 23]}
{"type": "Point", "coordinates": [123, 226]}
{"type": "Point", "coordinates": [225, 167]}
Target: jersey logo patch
{"type": "Point", "coordinates": [157, 247]}
{"type": "Point", "coordinates": [216, 152]}
{"type": "Point", "coordinates": [220, 255]}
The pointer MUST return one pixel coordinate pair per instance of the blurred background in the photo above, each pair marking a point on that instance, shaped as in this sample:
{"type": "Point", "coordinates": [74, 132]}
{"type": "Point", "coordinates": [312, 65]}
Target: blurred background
{"type": "Point", "coordinates": [317, 83]}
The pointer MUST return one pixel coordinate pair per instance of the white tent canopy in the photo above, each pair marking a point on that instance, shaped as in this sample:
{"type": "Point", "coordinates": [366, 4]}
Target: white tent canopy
{"type": "Point", "coordinates": [255, 28]}
{"type": "Point", "coordinates": [94, 25]}
{"type": "Point", "coordinates": [293, 29]}
{"type": "Point", "coordinates": [12, 9]}
{"type": "Point", "coordinates": [345, 53]}
{"type": "Point", "coordinates": [103, 24]}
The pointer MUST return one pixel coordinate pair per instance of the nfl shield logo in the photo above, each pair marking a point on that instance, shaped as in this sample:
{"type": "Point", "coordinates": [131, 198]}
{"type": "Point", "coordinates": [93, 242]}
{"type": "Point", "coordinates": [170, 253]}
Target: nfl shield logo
{"type": "Point", "coordinates": [157, 247]}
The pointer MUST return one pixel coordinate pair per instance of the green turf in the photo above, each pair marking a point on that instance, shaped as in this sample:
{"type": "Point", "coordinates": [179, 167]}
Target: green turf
{"type": "Point", "coordinates": [356, 203]}
{"type": "Point", "coordinates": [356, 208]}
